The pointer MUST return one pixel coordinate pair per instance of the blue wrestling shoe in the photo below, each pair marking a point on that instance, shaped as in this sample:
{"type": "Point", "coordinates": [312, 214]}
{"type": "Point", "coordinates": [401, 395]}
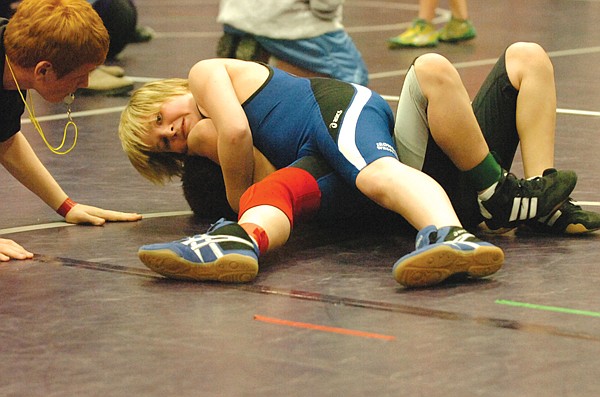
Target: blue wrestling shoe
{"type": "Point", "coordinates": [443, 252]}
{"type": "Point", "coordinates": [225, 253]}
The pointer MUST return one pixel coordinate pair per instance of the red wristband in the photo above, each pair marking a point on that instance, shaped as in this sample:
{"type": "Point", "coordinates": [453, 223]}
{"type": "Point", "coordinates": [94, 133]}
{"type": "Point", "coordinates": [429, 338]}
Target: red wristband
{"type": "Point", "coordinates": [65, 207]}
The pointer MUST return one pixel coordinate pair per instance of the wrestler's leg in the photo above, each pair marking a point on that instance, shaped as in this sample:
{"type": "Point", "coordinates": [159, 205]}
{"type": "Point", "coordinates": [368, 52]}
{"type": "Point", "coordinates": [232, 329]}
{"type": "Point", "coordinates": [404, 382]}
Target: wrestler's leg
{"type": "Point", "coordinates": [451, 119]}
{"type": "Point", "coordinates": [443, 246]}
{"type": "Point", "coordinates": [504, 200]}
{"type": "Point", "coordinates": [531, 73]}
{"type": "Point", "coordinates": [229, 251]}
{"type": "Point", "coordinates": [408, 192]}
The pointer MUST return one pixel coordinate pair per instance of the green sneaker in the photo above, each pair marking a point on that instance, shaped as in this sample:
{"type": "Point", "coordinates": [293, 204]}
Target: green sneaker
{"type": "Point", "coordinates": [567, 219]}
{"type": "Point", "coordinates": [457, 30]}
{"type": "Point", "coordinates": [420, 34]}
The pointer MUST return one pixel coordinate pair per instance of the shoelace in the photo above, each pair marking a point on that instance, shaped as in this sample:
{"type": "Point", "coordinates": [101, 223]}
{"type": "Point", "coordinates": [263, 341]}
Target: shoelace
{"type": "Point", "coordinates": [528, 187]}
{"type": "Point", "coordinates": [213, 226]}
{"type": "Point", "coordinates": [459, 235]}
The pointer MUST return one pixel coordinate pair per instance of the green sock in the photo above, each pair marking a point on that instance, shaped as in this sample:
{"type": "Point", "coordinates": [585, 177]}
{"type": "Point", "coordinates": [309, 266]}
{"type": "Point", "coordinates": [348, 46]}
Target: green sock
{"type": "Point", "coordinates": [485, 174]}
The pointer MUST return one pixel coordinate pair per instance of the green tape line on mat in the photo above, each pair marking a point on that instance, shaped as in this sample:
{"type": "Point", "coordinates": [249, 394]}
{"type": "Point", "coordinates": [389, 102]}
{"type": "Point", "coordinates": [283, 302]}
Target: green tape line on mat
{"type": "Point", "coordinates": [548, 308]}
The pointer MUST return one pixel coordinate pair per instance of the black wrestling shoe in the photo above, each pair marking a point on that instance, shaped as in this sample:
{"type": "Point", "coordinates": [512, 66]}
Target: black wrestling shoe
{"type": "Point", "coordinates": [518, 200]}
{"type": "Point", "coordinates": [567, 219]}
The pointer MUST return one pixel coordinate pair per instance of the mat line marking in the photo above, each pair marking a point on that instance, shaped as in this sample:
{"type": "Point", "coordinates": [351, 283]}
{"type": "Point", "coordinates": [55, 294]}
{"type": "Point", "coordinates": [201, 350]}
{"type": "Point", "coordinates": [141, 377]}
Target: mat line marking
{"type": "Point", "coordinates": [51, 225]}
{"type": "Point", "coordinates": [82, 113]}
{"type": "Point", "coordinates": [556, 309]}
{"type": "Point", "coordinates": [422, 312]}
{"type": "Point", "coordinates": [391, 98]}
{"type": "Point", "coordinates": [443, 15]}
{"type": "Point", "coordinates": [336, 300]}
{"type": "Point", "coordinates": [323, 328]}
{"type": "Point", "coordinates": [491, 61]}
{"type": "Point", "coordinates": [103, 267]}
{"type": "Point", "coordinates": [577, 112]}
{"type": "Point", "coordinates": [372, 76]}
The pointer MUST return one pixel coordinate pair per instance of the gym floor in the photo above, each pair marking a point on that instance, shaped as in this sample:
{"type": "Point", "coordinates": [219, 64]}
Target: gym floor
{"type": "Point", "coordinates": [324, 316]}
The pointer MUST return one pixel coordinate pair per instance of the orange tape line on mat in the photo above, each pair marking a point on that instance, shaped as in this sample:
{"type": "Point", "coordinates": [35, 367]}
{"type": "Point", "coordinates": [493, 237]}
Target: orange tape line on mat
{"type": "Point", "coordinates": [324, 328]}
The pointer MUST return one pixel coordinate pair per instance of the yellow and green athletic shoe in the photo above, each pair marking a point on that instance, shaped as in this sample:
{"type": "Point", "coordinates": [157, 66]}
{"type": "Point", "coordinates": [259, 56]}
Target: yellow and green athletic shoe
{"type": "Point", "coordinates": [420, 34]}
{"type": "Point", "coordinates": [457, 30]}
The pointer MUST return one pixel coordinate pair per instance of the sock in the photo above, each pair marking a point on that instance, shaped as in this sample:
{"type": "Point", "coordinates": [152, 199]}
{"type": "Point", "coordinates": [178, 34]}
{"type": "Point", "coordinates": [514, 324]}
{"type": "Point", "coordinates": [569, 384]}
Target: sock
{"type": "Point", "coordinates": [487, 193]}
{"type": "Point", "coordinates": [257, 234]}
{"type": "Point", "coordinates": [484, 175]}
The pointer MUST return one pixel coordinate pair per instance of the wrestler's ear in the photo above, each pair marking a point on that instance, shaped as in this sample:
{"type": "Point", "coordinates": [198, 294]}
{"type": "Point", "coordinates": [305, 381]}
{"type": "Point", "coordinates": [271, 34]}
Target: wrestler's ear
{"type": "Point", "coordinates": [42, 70]}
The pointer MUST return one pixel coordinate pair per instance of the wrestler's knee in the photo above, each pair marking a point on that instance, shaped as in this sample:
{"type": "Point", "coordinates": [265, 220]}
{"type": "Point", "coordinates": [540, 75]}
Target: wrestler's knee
{"type": "Point", "coordinates": [523, 58]}
{"type": "Point", "coordinates": [435, 72]}
{"type": "Point", "coordinates": [375, 179]}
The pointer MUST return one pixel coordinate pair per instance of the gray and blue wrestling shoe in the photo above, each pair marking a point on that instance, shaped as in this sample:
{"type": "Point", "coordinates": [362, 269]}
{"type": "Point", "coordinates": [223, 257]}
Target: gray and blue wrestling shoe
{"type": "Point", "coordinates": [224, 253]}
{"type": "Point", "coordinates": [441, 253]}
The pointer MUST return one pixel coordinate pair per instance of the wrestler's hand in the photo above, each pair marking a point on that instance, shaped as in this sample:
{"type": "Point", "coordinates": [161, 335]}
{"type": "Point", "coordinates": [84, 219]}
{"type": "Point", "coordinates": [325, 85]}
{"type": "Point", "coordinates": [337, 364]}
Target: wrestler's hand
{"type": "Point", "coordinates": [82, 213]}
{"type": "Point", "coordinates": [11, 250]}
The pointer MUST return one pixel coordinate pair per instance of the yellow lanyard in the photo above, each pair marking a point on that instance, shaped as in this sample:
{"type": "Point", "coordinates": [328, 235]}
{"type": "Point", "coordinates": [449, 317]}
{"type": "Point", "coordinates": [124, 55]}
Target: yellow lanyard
{"type": "Point", "coordinates": [68, 100]}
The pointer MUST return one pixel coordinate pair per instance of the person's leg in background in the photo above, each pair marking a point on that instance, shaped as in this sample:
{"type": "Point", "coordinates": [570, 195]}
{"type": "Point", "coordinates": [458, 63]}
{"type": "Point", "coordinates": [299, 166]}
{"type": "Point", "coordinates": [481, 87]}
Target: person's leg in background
{"type": "Point", "coordinates": [423, 33]}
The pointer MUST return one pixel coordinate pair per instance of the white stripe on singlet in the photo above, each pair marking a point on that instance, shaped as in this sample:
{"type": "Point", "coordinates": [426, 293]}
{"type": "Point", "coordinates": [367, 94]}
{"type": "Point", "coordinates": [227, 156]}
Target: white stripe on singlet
{"type": "Point", "coordinates": [347, 136]}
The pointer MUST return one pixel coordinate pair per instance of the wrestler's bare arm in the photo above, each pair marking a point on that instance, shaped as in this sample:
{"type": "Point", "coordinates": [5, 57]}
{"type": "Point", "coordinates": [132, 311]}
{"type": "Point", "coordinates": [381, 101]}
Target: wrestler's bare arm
{"type": "Point", "coordinates": [219, 87]}
{"type": "Point", "coordinates": [202, 142]}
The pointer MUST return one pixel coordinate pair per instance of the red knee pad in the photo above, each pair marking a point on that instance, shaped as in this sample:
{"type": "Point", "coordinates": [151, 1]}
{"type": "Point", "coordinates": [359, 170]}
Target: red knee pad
{"type": "Point", "coordinates": [292, 190]}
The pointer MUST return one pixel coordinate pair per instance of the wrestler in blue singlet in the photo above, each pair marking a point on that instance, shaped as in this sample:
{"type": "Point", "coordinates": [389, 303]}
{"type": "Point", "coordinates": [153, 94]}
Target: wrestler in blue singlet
{"type": "Point", "coordinates": [331, 129]}
{"type": "Point", "coordinates": [348, 125]}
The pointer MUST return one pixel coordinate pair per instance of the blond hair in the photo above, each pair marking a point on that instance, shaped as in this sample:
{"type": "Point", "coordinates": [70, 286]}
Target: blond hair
{"type": "Point", "coordinates": [138, 118]}
{"type": "Point", "coordinates": [67, 33]}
